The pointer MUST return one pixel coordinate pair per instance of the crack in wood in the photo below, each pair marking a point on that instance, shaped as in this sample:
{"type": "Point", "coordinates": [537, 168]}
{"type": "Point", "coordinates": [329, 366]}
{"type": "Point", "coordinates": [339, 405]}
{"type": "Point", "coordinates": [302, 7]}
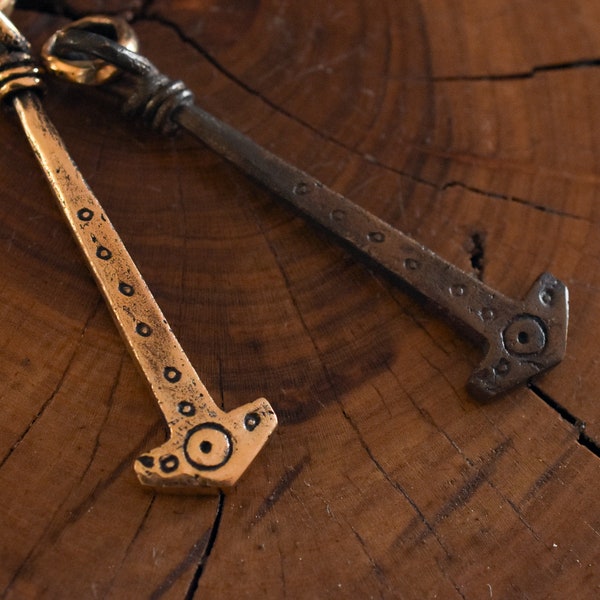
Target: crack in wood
{"type": "Point", "coordinates": [425, 415]}
{"type": "Point", "coordinates": [212, 538]}
{"type": "Point", "coordinates": [58, 7]}
{"type": "Point", "coordinates": [63, 8]}
{"type": "Point", "coordinates": [84, 506]}
{"type": "Point", "coordinates": [109, 407]}
{"type": "Point", "coordinates": [519, 513]}
{"type": "Point", "coordinates": [56, 525]}
{"type": "Point", "coordinates": [510, 198]}
{"type": "Point", "coordinates": [582, 63]}
{"type": "Point", "coordinates": [194, 556]}
{"type": "Point", "coordinates": [477, 252]}
{"type": "Point", "coordinates": [441, 187]}
{"type": "Point", "coordinates": [584, 439]}
{"type": "Point", "coordinates": [328, 138]}
{"type": "Point", "coordinates": [197, 555]}
{"type": "Point", "coordinates": [135, 536]}
{"type": "Point", "coordinates": [419, 514]}
{"type": "Point", "coordinates": [377, 569]}
{"type": "Point", "coordinates": [57, 387]}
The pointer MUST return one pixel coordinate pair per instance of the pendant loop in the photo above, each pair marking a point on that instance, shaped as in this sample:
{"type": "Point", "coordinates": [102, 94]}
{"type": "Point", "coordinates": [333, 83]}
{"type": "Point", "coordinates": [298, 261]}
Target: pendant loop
{"type": "Point", "coordinates": [90, 71]}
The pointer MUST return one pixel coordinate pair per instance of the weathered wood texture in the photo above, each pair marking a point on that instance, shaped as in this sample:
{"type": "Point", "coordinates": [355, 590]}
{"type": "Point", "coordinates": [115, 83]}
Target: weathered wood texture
{"type": "Point", "coordinates": [473, 126]}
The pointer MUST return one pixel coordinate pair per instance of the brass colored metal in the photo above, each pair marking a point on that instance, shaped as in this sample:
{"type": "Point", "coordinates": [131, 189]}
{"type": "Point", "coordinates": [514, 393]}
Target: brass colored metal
{"type": "Point", "coordinates": [90, 71]}
{"type": "Point", "coordinates": [208, 449]}
{"type": "Point", "coordinates": [18, 71]}
{"type": "Point", "coordinates": [521, 338]}
{"type": "Point", "coordinates": [6, 6]}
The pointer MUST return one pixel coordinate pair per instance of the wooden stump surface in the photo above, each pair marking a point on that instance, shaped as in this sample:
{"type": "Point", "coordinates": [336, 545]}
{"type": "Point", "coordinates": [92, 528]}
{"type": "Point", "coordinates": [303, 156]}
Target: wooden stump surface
{"type": "Point", "coordinates": [474, 127]}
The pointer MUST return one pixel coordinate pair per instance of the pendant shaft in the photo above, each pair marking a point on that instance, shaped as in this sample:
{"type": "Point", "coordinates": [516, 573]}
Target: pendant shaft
{"type": "Point", "coordinates": [522, 337]}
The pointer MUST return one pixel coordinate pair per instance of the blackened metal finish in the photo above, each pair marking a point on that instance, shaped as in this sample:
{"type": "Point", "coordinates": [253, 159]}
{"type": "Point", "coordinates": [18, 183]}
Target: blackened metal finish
{"type": "Point", "coordinates": [522, 338]}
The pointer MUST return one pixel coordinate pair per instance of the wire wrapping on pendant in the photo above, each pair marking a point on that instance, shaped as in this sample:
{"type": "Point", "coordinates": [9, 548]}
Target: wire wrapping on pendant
{"type": "Point", "coordinates": [18, 70]}
{"type": "Point", "coordinates": [154, 98]}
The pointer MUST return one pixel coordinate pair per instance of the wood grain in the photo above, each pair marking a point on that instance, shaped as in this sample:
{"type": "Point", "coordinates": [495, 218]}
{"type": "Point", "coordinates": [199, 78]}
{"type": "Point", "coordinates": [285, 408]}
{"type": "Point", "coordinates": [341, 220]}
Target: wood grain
{"type": "Point", "coordinates": [473, 127]}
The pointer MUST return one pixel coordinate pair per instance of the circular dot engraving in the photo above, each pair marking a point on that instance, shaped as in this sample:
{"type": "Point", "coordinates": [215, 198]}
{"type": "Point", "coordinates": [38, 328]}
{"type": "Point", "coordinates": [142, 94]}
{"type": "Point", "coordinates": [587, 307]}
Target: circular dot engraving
{"type": "Point", "coordinates": [85, 214]}
{"type": "Point", "coordinates": [458, 290]}
{"type": "Point", "coordinates": [525, 335]}
{"type": "Point", "coordinates": [146, 460]}
{"type": "Point", "coordinates": [546, 296]}
{"type": "Point", "coordinates": [171, 374]}
{"type": "Point", "coordinates": [103, 253]}
{"type": "Point", "coordinates": [143, 329]}
{"type": "Point", "coordinates": [187, 409]}
{"type": "Point", "coordinates": [376, 236]}
{"type": "Point", "coordinates": [301, 188]}
{"type": "Point", "coordinates": [487, 314]}
{"type": "Point", "coordinates": [337, 215]}
{"type": "Point", "coordinates": [252, 421]}
{"type": "Point", "coordinates": [208, 446]}
{"type": "Point", "coordinates": [168, 463]}
{"type": "Point", "coordinates": [503, 367]}
{"type": "Point", "coordinates": [483, 376]}
{"type": "Point", "coordinates": [126, 289]}
{"type": "Point", "coordinates": [411, 264]}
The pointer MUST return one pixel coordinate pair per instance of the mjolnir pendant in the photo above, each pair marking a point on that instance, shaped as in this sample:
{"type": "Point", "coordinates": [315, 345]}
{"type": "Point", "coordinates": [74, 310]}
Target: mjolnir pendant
{"type": "Point", "coordinates": [521, 338]}
{"type": "Point", "coordinates": [207, 449]}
